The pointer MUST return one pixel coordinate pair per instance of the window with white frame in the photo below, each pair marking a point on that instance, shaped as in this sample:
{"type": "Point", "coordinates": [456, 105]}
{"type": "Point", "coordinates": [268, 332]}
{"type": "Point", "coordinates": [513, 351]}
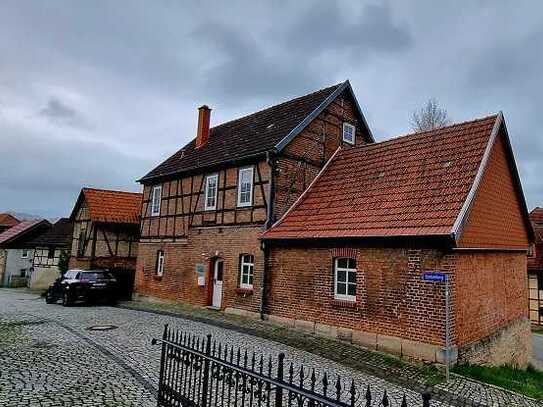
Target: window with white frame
{"type": "Point", "coordinates": [531, 250]}
{"type": "Point", "coordinates": [159, 263]}
{"type": "Point", "coordinates": [247, 265]}
{"type": "Point", "coordinates": [345, 279]}
{"type": "Point", "coordinates": [211, 192]}
{"type": "Point", "coordinates": [348, 133]}
{"type": "Point", "coordinates": [156, 197]}
{"type": "Point", "coordinates": [24, 253]}
{"type": "Point", "coordinates": [245, 186]}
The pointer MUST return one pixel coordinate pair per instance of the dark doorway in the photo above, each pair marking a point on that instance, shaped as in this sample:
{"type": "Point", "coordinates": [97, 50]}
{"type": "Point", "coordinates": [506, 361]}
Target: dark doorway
{"type": "Point", "coordinates": [125, 282]}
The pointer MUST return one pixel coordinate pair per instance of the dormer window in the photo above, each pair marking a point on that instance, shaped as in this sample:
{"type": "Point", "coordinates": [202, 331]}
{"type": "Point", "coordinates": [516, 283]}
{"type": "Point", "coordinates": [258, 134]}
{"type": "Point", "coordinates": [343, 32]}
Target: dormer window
{"type": "Point", "coordinates": [156, 196]}
{"type": "Point", "coordinates": [211, 192]}
{"type": "Point", "coordinates": [348, 133]}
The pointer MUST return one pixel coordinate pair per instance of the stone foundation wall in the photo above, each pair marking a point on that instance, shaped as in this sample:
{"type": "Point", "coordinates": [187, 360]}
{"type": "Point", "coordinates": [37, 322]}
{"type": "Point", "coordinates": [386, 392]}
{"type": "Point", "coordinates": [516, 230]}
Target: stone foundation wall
{"type": "Point", "coordinates": [510, 345]}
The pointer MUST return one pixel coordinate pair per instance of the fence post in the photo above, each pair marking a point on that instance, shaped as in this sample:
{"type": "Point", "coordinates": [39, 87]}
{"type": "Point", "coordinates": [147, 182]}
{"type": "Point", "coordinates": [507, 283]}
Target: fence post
{"type": "Point", "coordinates": [206, 371]}
{"type": "Point", "coordinates": [279, 389]}
{"type": "Point", "coordinates": [426, 397]}
{"type": "Point", "coordinates": [162, 363]}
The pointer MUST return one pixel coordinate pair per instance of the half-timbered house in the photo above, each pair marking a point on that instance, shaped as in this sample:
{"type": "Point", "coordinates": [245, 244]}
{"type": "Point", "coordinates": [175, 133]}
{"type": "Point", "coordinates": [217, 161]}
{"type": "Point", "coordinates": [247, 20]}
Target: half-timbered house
{"type": "Point", "coordinates": [106, 232]}
{"type": "Point", "coordinates": [48, 248]}
{"type": "Point", "coordinates": [535, 268]}
{"type": "Point", "coordinates": [205, 207]}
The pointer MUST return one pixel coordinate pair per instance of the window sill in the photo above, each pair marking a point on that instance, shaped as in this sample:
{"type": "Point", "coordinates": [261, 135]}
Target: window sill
{"type": "Point", "coordinates": [344, 303]}
{"type": "Point", "coordinates": [244, 292]}
{"type": "Point", "coordinates": [157, 278]}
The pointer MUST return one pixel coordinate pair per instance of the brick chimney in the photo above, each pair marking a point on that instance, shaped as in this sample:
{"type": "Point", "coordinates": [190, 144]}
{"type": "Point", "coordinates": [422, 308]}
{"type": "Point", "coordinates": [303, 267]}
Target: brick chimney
{"type": "Point", "coordinates": [204, 115]}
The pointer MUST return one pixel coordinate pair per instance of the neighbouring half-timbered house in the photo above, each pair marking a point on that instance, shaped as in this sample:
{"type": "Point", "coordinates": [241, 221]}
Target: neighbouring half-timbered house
{"type": "Point", "coordinates": [535, 269]}
{"type": "Point", "coordinates": [106, 233]}
{"type": "Point", "coordinates": [205, 207]}
{"type": "Point", "coordinates": [17, 254]}
{"type": "Point", "coordinates": [48, 248]}
{"type": "Point", "coordinates": [351, 258]}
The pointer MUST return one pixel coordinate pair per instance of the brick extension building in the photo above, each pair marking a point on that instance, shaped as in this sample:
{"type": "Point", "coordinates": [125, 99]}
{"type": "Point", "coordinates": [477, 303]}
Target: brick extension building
{"type": "Point", "coordinates": [535, 269]}
{"type": "Point", "coordinates": [347, 258]}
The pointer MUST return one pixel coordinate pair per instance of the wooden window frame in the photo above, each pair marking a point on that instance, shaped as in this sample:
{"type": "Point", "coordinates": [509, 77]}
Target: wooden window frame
{"type": "Point", "coordinates": [206, 189]}
{"type": "Point", "coordinates": [250, 273]}
{"type": "Point", "coordinates": [353, 128]}
{"type": "Point", "coordinates": [159, 266]}
{"type": "Point", "coordinates": [24, 253]}
{"type": "Point", "coordinates": [240, 172]}
{"type": "Point", "coordinates": [346, 296]}
{"type": "Point", "coordinates": [156, 204]}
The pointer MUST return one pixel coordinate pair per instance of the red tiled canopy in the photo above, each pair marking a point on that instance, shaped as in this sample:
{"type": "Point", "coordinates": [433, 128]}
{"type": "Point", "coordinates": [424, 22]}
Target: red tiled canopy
{"type": "Point", "coordinates": [19, 229]}
{"type": "Point", "coordinates": [409, 186]}
{"type": "Point", "coordinates": [113, 206]}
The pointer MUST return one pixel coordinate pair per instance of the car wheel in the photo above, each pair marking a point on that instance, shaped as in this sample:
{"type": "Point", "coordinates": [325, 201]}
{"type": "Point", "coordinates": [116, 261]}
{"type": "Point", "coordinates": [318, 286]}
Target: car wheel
{"type": "Point", "coordinates": [66, 301]}
{"type": "Point", "coordinates": [49, 299]}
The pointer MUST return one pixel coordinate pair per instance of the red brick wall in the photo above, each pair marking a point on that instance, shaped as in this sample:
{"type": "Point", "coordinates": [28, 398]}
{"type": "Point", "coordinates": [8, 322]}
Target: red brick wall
{"type": "Point", "coordinates": [491, 291]}
{"type": "Point", "coordinates": [495, 219]}
{"type": "Point", "coordinates": [391, 298]}
{"type": "Point", "coordinates": [179, 282]}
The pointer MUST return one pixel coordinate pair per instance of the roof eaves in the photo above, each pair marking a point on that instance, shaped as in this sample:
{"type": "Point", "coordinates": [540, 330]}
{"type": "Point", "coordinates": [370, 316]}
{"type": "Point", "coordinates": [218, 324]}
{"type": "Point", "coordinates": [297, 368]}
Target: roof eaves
{"type": "Point", "coordinates": [219, 163]}
{"type": "Point", "coordinates": [309, 118]}
{"type": "Point", "coordinates": [360, 112]}
{"type": "Point", "coordinates": [464, 211]}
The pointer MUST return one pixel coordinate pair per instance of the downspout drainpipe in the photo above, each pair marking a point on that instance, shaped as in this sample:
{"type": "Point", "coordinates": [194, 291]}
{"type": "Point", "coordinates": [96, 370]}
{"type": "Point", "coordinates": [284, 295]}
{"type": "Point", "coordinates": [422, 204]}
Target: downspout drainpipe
{"type": "Point", "coordinates": [269, 222]}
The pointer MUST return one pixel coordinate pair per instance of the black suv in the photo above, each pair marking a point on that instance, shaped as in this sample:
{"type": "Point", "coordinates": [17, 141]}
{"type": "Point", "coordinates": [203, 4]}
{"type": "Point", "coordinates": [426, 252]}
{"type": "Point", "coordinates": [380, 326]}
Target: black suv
{"type": "Point", "coordinates": [85, 285]}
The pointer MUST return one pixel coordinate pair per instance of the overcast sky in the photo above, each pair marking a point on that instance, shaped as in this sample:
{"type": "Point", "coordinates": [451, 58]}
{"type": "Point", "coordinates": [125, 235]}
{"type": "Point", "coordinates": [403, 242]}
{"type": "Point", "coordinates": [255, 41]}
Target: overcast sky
{"type": "Point", "coordinates": [96, 93]}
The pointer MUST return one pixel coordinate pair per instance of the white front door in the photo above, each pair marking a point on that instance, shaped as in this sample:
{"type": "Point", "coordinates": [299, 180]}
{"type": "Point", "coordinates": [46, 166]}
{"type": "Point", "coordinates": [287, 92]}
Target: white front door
{"type": "Point", "coordinates": [217, 283]}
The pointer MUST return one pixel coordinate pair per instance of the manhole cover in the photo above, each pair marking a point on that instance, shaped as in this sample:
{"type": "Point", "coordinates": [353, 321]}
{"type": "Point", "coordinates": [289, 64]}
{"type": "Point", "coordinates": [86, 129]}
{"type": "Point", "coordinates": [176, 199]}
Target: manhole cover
{"type": "Point", "coordinates": [102, 327]}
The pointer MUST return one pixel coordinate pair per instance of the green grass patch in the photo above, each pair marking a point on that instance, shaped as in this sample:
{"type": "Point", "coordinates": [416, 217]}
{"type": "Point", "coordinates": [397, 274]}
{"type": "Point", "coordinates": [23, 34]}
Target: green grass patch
{"type": "Point", "coordinates": [528, 382]}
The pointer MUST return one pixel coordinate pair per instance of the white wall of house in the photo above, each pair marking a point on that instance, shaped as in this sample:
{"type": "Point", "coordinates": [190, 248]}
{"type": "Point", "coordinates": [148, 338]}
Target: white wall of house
{"type": "Point", "coordinates": [18, 267]}
{"type": "Point", "coordinates": [45, 267]}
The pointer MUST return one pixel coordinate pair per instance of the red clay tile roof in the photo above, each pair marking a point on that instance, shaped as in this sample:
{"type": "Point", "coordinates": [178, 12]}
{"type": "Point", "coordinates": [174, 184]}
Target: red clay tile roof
{"type": "Point", "coordinates": [19, 229]}
{"type": "Point", "coordinates": [113, 206]}
{"type": "Point", "coordinates": [8, 220]}
{"type": "Point", "coordinates": [412, 185]}
{"type": "Point", "coordinates": [248, 136]}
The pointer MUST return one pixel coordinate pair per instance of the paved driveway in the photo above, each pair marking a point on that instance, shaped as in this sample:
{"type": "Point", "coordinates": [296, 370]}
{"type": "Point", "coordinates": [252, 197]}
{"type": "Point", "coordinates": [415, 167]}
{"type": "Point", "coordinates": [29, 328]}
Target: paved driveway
{"type": "Point", "coordinates": [50, 358]}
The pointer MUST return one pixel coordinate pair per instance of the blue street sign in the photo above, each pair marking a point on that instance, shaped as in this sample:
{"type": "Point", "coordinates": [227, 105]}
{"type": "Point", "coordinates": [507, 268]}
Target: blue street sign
{"type": "Point", "coordinates": [434, 276]}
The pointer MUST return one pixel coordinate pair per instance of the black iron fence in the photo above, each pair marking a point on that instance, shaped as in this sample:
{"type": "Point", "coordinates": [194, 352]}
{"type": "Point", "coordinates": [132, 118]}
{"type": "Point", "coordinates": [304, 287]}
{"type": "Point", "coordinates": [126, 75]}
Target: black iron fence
{"type": "Point", "coordinates": [201, 372]}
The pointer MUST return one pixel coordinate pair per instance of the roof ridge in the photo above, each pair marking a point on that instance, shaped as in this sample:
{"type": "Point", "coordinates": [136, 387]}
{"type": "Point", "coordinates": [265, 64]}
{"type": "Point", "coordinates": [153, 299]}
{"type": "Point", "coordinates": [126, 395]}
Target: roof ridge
{"type": "Point", "coordinates": [423, 132]}
{"type": "Point", "coordinates": [274, 106]}
{"type": "Point", "coordinates": [110, 190]}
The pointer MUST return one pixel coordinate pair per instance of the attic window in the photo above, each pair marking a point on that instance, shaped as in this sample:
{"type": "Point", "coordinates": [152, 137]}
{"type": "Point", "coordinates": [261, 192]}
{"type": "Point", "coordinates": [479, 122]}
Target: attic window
{"type": "Point", "coordinates": [348, 133]}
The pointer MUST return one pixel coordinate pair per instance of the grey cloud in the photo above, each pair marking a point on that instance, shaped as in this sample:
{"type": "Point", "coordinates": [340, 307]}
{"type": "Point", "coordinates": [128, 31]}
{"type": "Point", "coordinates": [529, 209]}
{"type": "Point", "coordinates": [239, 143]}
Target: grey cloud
{"type": "Point", "coordinates": [142, 67]}
{"type": "Point", "coordinates": [60, 113]}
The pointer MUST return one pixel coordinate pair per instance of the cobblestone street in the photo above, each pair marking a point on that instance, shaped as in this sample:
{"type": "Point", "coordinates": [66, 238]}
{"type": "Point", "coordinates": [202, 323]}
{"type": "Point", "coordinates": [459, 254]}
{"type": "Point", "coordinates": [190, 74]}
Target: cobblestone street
{"type": "Point", "coordinates": [50, 358]}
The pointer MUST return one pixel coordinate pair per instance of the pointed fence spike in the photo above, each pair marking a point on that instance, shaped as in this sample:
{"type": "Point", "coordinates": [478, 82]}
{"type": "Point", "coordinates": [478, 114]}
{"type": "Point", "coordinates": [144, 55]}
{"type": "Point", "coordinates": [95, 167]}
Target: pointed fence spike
{"type": "Point", "coordinates": [352, 390]}
{"type": "Point", "coordinates": [368, 396]}
{"type": "Point", "coordinates": [338, 387]}
{"type": "Point", "coordinates": [385, 401]}
{"type": "Point", "coordinates": [404, 402]}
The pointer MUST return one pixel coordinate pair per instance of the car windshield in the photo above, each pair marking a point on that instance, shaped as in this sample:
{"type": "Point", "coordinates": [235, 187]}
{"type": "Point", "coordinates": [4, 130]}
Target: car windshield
{"type": "Point", "coordinates": [71, 274]}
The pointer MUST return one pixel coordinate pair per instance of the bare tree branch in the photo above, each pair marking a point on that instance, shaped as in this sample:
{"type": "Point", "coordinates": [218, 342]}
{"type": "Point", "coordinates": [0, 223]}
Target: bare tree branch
{"type": "Point", "coordinates": [431, 116]}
